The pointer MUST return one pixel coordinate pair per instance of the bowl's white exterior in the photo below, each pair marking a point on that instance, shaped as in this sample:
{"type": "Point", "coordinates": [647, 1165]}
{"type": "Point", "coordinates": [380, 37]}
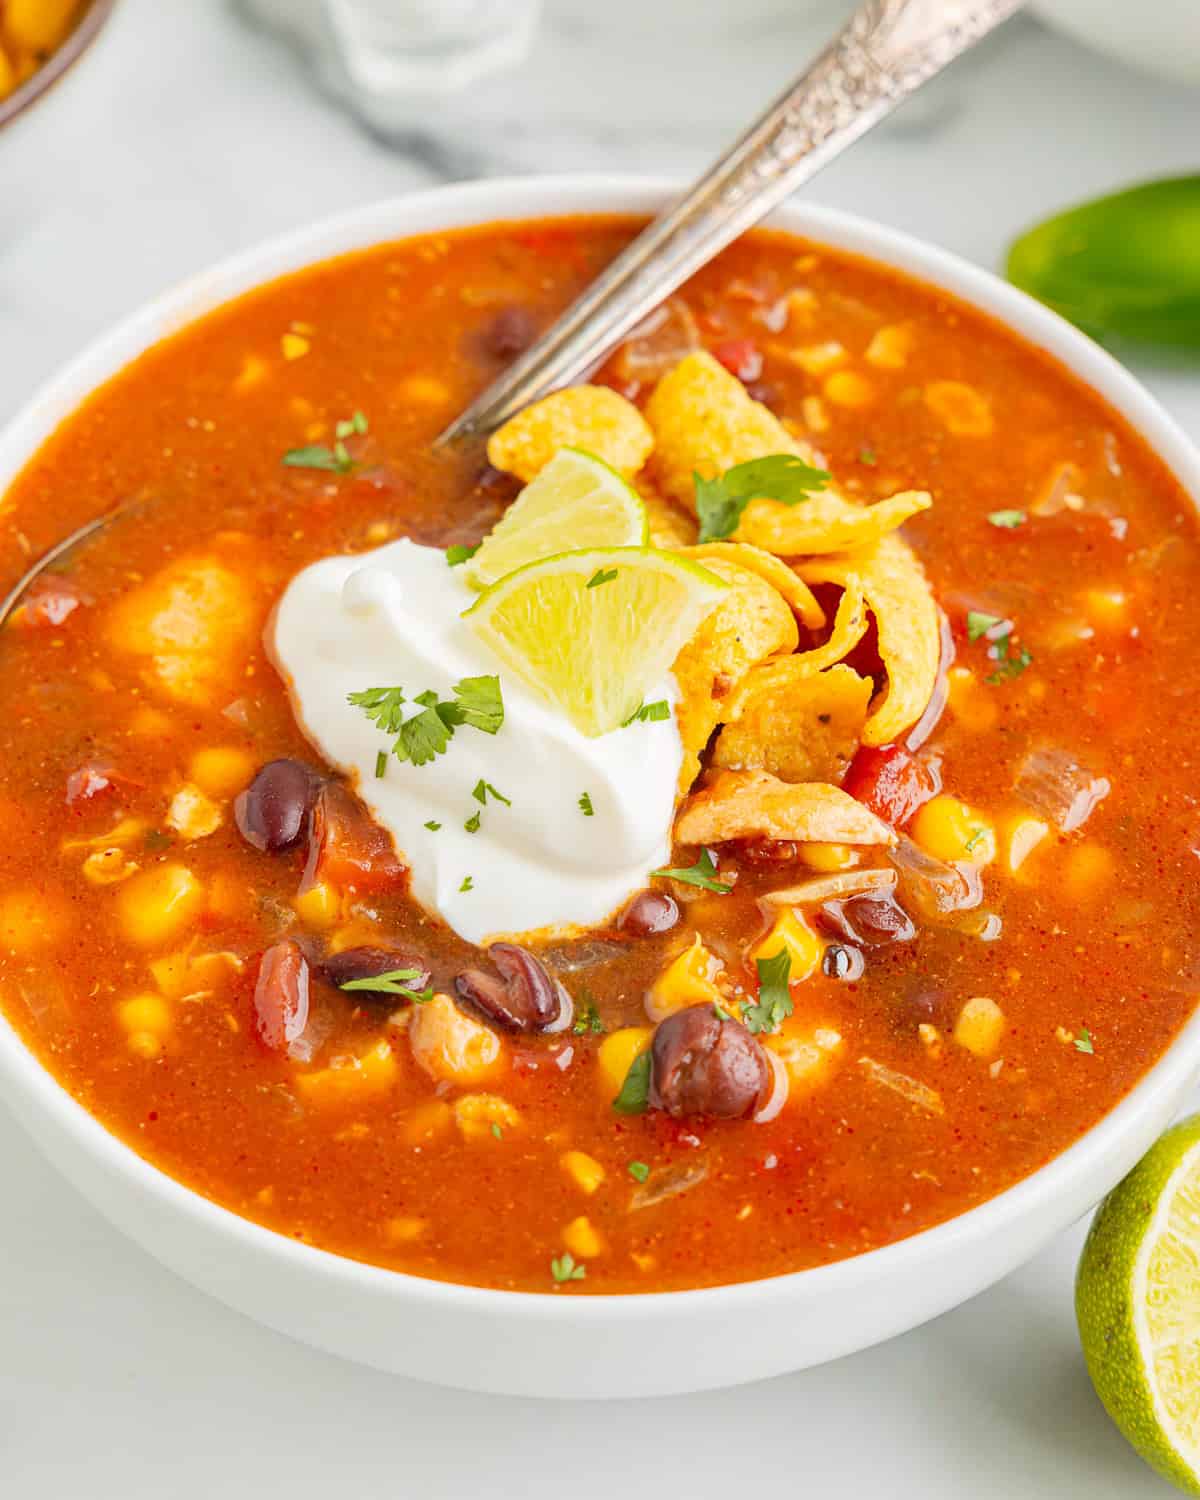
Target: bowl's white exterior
{"type": "Point", "coordinates": [1161, 36]}
{"type": "Point", "coordinates": [562, 1344]}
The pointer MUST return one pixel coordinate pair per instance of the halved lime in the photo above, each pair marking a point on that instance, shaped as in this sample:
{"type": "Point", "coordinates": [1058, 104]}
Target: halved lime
{"type": "Point", "coordinates": [576, 501]}
{"type": "Point", "coordinates": [1137, 1298]}
{"type": "Point", "coordinates": [594, 631]}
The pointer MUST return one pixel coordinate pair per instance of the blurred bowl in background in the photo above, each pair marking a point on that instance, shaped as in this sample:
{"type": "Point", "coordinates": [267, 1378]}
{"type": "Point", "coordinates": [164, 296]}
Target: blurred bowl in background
{"type": "Point", "coordinates": [1161, 36]}
{"type": "Point", "coordinates": [59, 55]}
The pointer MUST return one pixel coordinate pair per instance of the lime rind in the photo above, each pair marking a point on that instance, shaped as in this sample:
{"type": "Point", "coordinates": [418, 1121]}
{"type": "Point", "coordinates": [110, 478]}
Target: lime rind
{"type": "Point", "coordinates": [595, 652]}
{"type": "Point", "coordinates": [577, 501]}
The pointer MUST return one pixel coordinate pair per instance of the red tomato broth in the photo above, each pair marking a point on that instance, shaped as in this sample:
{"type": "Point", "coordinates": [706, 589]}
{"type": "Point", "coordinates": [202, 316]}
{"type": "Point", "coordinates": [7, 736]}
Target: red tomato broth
{"type": "Point", "coordinates": [849, 1165]}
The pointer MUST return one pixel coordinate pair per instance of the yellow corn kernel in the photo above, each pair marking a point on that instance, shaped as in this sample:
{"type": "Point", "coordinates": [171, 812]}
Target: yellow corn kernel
{"type": "Point", "coordinates": [980, 1026]}
{"type": "Point", "coordinates": [829, 858]}
{"type": "Point", "coordinates": [128, 831]}
{"type": "Point", "coordinates": [617, 1054]}
{"type": "Point", "coordinates": [39, 25]}
{"type": "Point", "coordinates": [791, 932]}
{"type": "Point", "coordinates": [294, 345]}
{"type": "Point", "coordinates": [1089, 869]}
{"type": "Point", "coordinates": [970, 702]}
{"type": "Point", "coordinates": [808, 1053]}
{"type": "Point", "coordinates": [453, 1047]}
{"type": "Point", "coordinates": [150, 723]}
{"type": "Point", "coordinates": [320, 906]}
{"type": "Point", "coordinates": [404, 1230]}
{"type": "Point", "coordinates": [950, 830]}
{"type": "Point", "coordinates": [582, 1239]}
{"type": "Point", "coordinates": [801, 307]}
{"type": "Point", "coordinates": [221, 771]}
{"type": "Point", "coordinates": [159, 904]}
{"type": "Point", "coordinates": [145, 1013]}
{"type": "Point", "coordinates": [182, 974]}
{"type": "Point", "coordinates": [146, 1045]}
{"type": "Point", "coordinates": [687, 980]}
{"type": "Point", "coordinates": [108, 866]}
{"type": "Point", "coordinates": [584, 1170]}
{"type": "Point", "coordinates": [891, 346]}
{"type": "Point", "coordinates": [850, 389]}
{"type": "Point", "coordinates": [1022, 834]}
{"type": "Point", "coordinates": [931, 1038]}
{"type": "Point", "coordinates": [817, 359]}
{"type": "Point", "coordinates": [960, 408]}
{"type": "Point", "coordinates": [193, 815]}
{"type": "Point", "coordinates": [815, 414]}
{"type": "Point", "coordinates": [356, 1078]}
{"type": "Point", "coordinates": [427, 1122]}
{"type": "Point", "coordinates": [254, 371]}
{"type": "Point", "coordinates": [1106, 608]}
{"type": "Point", "coordinates": [480, 1116]}
{"type": "Point", "coordinates": [425, 390]}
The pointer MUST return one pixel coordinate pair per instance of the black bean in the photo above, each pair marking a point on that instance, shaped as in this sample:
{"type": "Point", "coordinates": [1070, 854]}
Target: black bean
{"type": "Point", "coordinates": [703, 1064]}
{"type": "Point", "coordinates": [368, 963]}
{"type": "Point", "coordinates": [868, 921]}
{"type": "Point", "coordinates": [273, 812]}
{"type": "Point", "coordinates": [842, 962]}
{"type": "Point", "coordinates": [649, 913]}
{"type": "Point", "coordinates": [523, 998]}
{"type": "Point", "coordinates": [508, 333]}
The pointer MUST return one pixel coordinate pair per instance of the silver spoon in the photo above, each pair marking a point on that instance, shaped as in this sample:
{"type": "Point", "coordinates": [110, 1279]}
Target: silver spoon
{"type": "Point", "coordinates": [884, 53]}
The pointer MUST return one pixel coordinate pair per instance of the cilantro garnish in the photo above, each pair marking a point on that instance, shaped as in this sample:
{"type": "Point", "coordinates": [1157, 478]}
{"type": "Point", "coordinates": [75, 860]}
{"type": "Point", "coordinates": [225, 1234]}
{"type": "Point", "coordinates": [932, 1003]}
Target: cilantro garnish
{"type": "Point", "coordinates": [585, 805]}
{"type": "Point", "coordinates": [497, 1132]}
{"type": "Point", "coordinates": [868, 456]}
{"type": "Point", "coordinates": [459, 554]}
{"type": "Point", "coordinates": [587, 1020]}
{"type": "Point", "coordinates": [477, 702]}
{"type": "Point", "coordinates": [998, 631]}
{"type": "Point", "coordinates": [1084, 1043]}
{"type": "Point", "coordinates": [1007, 520]}
{"type": "Point", "coordinates": [564, 1268]}
{"type": "Point", "coordinates": [394, 982]}
{"type": "Point", "coordinates": [774, 995]}
{"type": "Point", "coordinates": [780, 476]}
{"type": "Point", "coordinates": [703, 873]}
{"type": "Point", "coordinates": [381, 760]}
{"type": "Point", "coordinates": [978, 624]}
{"type": "Point", "coordinates": [335, 459]}
{"type": "Point", "coordinates": [433, 825]}
{"type": "Point", "coordinates": [974, 839]}
{"type": "Point", "coordinates": [638, 1170]}
{"type": "Point", "coordinates": [1009, 663]}
{"type": "Point", "coordinates": [484, 789]}
{"type": "Point", "coordinates": [635, 1091]}
{"type": "Point", "coordinates": [649, 713]}
{"type": "Point", "coordinates": [472, 823]}
{"type": "Point", "coordinates": [601, 575]}
{"type": "Point", "coordinates": [467, 885]}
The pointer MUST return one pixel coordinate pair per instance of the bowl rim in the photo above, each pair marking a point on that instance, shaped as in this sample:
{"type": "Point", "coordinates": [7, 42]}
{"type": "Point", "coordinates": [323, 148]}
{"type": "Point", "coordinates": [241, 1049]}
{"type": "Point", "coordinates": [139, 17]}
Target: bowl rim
{"type": "Point", "coordinates": [60, 61]}
{"type": "Point", "coordinates": [1043, 1192]}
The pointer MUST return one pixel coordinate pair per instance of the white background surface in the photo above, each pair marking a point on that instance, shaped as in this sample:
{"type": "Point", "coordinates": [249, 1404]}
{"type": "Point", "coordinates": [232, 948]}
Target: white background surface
{"type": "Point", "coordinates": [185, 137]}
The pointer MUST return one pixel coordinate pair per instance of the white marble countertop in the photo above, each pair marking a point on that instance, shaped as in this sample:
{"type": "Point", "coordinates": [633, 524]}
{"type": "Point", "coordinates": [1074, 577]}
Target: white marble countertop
{"type": "Point", "coordinates": [185, 137]}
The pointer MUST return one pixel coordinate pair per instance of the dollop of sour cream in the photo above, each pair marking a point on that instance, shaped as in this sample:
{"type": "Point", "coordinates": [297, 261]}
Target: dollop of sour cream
{"type": "Point", "coordinates": [392, 618]}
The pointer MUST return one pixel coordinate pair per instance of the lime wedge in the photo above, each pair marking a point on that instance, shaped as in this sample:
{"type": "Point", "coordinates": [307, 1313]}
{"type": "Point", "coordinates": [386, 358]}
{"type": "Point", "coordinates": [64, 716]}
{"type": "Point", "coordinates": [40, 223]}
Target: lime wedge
{"type": "Point", "coordinates": [594, 631]}
{"type": "Point", "coordinates": [1137, 1298]}
{"type": "Point", "coordinates": [576, 501]}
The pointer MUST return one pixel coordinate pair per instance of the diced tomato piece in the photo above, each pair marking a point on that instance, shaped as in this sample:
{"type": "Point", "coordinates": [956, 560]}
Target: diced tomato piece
{"type": "Point", "coordinates": [741, 357]}
{"type": "Point", "coordinates": [892, 782]}
{"type": "Point", "coordinates": [346, 847]}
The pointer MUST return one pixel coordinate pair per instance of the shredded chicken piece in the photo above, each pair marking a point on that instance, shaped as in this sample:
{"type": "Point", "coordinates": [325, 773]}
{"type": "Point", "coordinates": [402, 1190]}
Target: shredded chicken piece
{"type": "Point", "coordinates": [755, 804]}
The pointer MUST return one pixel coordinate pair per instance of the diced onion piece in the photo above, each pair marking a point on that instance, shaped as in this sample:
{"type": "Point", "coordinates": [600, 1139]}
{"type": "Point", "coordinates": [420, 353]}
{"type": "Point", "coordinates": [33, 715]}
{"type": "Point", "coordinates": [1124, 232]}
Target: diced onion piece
{"type": "Point", "coordinates": [837, 887]}
{"type": "Point", "coordinates": [938, 889]}
{"type": "Point", "coordinates": [1064, 792]}
{"type": "Point", "coordinates": [668, 1182]}
{"type": "Point", "coordinates": [918, 1094]}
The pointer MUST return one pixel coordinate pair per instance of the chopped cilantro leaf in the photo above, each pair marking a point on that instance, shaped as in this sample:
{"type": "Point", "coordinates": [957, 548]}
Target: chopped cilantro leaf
{"type": "Point", "coordinates": [649, 713]}
{"type": "Point", "coordinates": [433, 825]}
{"type": "Point", "coordinates": [978, 624]}
{"type": "Point", "coordinates": [355, 424]}
{"type": "Point", "coordinates": [774, 995]}
{"type": "Point", "coordinates": [1007, 520]}
{"type": "Point", "coordinates": [638, 1170]}
{"type": "Point", "coordinates": [381, 760]}
{"type": "Point", "coordinates": [601, 575]}
{"type": "Point", "coordinates": [1010, 664]}
{"type": "Point", "coordinates": [868, 456]}
{"type": "Point", "coordinates": [1084, 1043]}
{"type": "Point", "coordinates": [587, 1019]}
{"type": "Point", "coordinates": [459, 554]}
{"type": "Point", "coordinates": [382, 706]}
{"type": "Point", "coordinates": [635, 1091]}
{"type": "Point", "coordinates": [484, 789]}
{"type": "Point", "coordinates": [974, 839]}
{"type": "Point", "coordinates": [497, 1132]}
{"type": "Point", "coordinates": [585, 805]}
{"type": "Point", "coordinates": [779, 476]}
{"type": "Point", "coordinates": [467, 885]}
{"type": "Point", "coordinates": [564, 1268]}
{"type": "Point", "coordinates": [472, 823]}
{"type": "Point", "coordinates": [394, 982]}
{"type": "Point", "coordinates": [703, 873]}
{"type": "Point", "coordinates": [479, 703]}
{"type": "Point", "coordinates": [335, 459]}
{"type": "Point", "coordinates": [425, 735]}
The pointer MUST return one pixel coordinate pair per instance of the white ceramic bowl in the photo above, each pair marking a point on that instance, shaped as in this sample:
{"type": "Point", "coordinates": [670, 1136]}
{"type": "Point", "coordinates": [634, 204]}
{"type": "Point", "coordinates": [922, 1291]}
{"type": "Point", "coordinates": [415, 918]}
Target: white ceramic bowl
{"type": "Point", "coordinates": [1160, 36]}
{"type": "Point", "coordinates": [558, 1345]}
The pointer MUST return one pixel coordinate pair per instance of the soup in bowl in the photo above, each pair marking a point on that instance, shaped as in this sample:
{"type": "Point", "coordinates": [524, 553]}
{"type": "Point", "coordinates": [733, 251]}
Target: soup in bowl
{"type": "Point", "coordinates": [685, 875]}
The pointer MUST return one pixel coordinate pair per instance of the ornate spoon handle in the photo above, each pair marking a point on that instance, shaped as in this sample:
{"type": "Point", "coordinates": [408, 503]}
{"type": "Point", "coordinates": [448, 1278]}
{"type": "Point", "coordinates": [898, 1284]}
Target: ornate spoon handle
{"type": "Point", "coordinates": [885, 52]}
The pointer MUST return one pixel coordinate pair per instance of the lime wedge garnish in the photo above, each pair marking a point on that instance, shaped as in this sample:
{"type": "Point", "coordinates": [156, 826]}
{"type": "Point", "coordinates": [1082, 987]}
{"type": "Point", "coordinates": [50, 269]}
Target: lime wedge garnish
{"type": "Point", "coordinates": [1137, 1298]}
{"type": "Point", "coordinates": [576, 501]}
{"type": "Point", "coordinates": [594, 631]}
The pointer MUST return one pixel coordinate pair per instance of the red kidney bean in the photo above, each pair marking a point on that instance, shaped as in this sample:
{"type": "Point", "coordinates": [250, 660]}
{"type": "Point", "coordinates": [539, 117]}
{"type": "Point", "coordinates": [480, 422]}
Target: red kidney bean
{"type": "Point", "coordinates": [346, 846]}
{"type": "Point", "coordinates": [649, 913]}
{"type": "Point", "coordinates": [368, 963]}
{"type": "Point", "coordinates": [868, 921]}
{"type": "Point", "coordinates": [524, 998]}
{"type": "Point", "coordinates": [273, 812]}
{"type": "Point", "coordinates": [281, 994]}
{"type": "Point", "coordinates": [702, 1064]}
